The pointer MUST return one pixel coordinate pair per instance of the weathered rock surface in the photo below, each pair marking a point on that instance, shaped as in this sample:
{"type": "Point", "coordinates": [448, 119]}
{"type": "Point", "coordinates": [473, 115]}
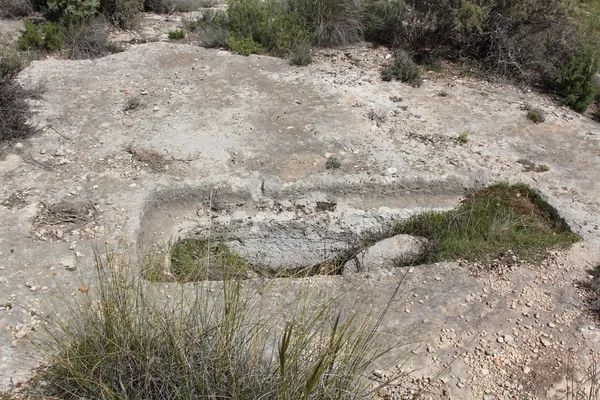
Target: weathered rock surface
{"type": "Point", "coordinates": [399, 250]}
{"type": "Point", "coordinates": [259, 127]}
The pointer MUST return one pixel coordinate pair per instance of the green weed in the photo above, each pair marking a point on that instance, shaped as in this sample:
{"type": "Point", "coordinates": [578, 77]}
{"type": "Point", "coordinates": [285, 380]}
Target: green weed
{"type": "Point", "coordinates": [489, 223]}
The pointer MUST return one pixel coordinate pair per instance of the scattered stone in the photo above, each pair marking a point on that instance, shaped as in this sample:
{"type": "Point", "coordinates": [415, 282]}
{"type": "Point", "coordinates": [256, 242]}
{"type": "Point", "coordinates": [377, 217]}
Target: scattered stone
{"type": "Point", "coordinates": [546, 342]}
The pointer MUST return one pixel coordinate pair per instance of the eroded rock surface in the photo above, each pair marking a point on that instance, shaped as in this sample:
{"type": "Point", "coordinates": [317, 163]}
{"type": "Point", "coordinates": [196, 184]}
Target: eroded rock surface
{"type": "Point", "coordinates": [228, 144]}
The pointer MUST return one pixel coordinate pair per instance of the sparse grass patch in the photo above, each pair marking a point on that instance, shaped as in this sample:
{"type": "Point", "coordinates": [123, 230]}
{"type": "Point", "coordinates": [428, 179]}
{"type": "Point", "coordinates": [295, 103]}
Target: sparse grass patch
{"type": "Point", "coordinates": [177, 34]}
{"type": "Point", "coordinates": [125, 339]}
{"type": "Point", "coordinates": [132, 104]}
{"type": "Point", "coordinates": [333, 163]}
{"type": "Point", "coordinates": [404, 69]}
{"type": "Point", "coordinates": [491, 222]}
{"type": "Point", "coordinates": [463, 138]}
{"type": "Point", "coordinates": [535, 114]}
{"type": "Point", "coordinates": [194, 260]}
{"type": "Point", "coordinates": [377, 116]}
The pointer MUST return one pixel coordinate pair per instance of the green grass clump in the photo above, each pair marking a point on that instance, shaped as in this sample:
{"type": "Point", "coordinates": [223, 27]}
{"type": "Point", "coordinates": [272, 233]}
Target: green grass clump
{"type": "Point", "coordinates": [489, 223]}
{"type": "Point", "coordinates": [536, 115]}
{"type": "Point", "coordinates": [404, 69]}
{"type": "Point", "coordinates": [203, 259]}
{"type": "Point", "coordinates": [126, 339]}
{"type": "Point", "coordinates": [177, 34]}
{"type": "Point", "coordinates": [463, 138]}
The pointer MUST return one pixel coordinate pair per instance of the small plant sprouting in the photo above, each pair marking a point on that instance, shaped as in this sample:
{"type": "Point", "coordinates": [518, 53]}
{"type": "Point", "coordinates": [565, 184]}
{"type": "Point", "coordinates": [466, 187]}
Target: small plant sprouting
{"type": "Point", "coordinates": [177, 34]}
{"type": "Point", "coordinates": [132, 104]}
{"type": "Point", "coordinates": [333, 163]}
{"type": "Point", "coordinates": [535, 114]}
{"type": "Point", "coordinates": [463, 138]}
{"type": "Point", "coordinates": [377, 116]}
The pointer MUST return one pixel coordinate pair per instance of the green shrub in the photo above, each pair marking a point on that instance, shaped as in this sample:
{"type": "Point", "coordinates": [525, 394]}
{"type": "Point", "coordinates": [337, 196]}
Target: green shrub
{"type": "Point", "coordinates": [301, 55]}
{"type": "Point", "coordinates": [463, 138]}
{"type": "Point", "coordinates": [71, 11]}
{"type": "Point", "coordinates": [268, 23]}
{"type": "Point", "coordinates": [574, 84]}
{"type": "Point", "coordinates": [404, 69]}
{"type": "Point", "coordinates": [333, 163]}
{"type": "Point", "coordinates": [14, 106]}
{"type": "Point", "coordinates": [46, 36]}
{"type": "Point", "coordinates": [535, 114]}
{"type": "Point", "coordinates": [122, 13]}
{"type": "Point", "coordinates": [244, 45]}
{"type": "Point", "coordinates": [383, 20]}
{"type": "Point", "coordinates": [177, 34]}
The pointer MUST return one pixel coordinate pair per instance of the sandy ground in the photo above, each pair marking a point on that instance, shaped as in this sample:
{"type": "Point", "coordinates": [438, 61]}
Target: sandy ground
{"type": "Point", "coordinates": [252, 135]}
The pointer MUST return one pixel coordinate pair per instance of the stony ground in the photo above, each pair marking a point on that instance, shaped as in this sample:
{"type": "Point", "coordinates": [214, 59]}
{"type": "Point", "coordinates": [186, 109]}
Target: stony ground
{"type": "Point", "coordinates": [240, 144]}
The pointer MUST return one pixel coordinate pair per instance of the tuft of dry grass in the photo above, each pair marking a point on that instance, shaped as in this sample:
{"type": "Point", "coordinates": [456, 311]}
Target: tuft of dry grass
{"type": "Point", "coordinates": [126, 338]}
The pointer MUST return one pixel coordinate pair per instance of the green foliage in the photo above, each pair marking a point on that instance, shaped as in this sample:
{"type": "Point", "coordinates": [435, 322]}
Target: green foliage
{"type": "Point", "coordinates": [269, 24]}
{"type": "Point", "coordinates": [469, 17]}
{"type": "Point", "coordinates": [575, 83]}
{"type": "Point", "coordinates": [46, 36]}
{"type": "Point", "coordinates": [535, 114]}
{"type": "Point", "coordinates": [121, 13]}
{"type": "Point", "coordinates": [71, 11]}
{"type": "Point", "coordinates": [463, 137]}
{"type": "Point", "coordinates": [301, 55]}
{"type": "Point", "coordinates": [404, 69]}
{"type": "Point", "coordinates": [200, 259]}
{"type": "Point", "coordinates": [177, 34]}
{"type": "Point", "coordinates": [244, 45]}
{"type": "Point", "coordinates": [491, 222]}
{"type": "Point", "coordinates": [333, 163]}
{"type": "Point", "coordinates": [383, 20]}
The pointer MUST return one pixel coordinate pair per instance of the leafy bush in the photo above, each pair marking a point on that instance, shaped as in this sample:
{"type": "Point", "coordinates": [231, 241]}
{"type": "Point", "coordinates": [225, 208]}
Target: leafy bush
{"type": "Point", "coordinates": [535, 114]}
{"type": "Point", "coordinates": [122, 13]}
{"type": "Point", "coordinates": [244, 45]}
{"type": "Point", "coordinates": [14, 107]}
{"type": "Point", "coordinates": [574, 84]}
{"type": "Point", "coordinates": [383, 21]}
{"type": "Point", "coordinates": [301, 55]}
{"type": "Point", "coordinates": [177, 34]}
{"type": "Point", "coordinates": [129, 341]}
{"type": "Point", "coordinates": [268, 23]}
{"type": "Point", "coordinates": [71, 11]}
{"type": "Point", "coordinates": [45, 36]}
{"type": "Point", "coordinates": [404, 69]}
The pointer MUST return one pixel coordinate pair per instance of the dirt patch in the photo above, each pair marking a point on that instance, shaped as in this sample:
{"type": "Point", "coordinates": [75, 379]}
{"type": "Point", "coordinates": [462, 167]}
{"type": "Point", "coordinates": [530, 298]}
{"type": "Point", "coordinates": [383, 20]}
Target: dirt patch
{"type": "Point", "coordinates": [149, 158]}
